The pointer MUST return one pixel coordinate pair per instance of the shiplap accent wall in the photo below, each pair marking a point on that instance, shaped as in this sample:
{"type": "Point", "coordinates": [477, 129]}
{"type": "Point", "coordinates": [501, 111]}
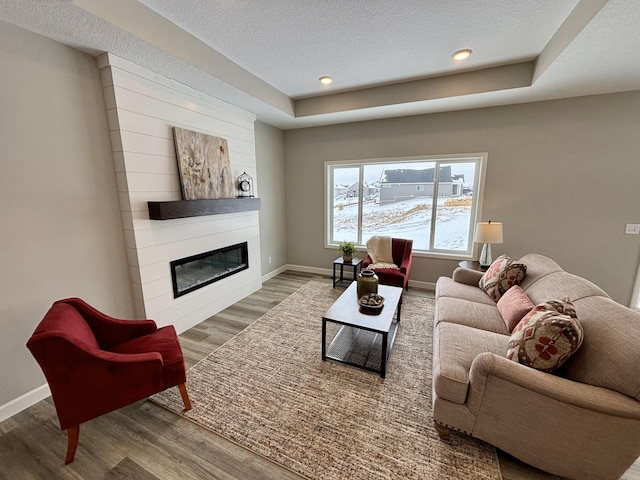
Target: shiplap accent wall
{"type": "Point", "coordinates": [142, 108]}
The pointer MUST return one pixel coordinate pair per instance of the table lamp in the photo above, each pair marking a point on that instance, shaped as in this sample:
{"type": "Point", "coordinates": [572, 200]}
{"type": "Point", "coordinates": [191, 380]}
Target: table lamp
{"type": "Point", "coordinates": [488, 233]}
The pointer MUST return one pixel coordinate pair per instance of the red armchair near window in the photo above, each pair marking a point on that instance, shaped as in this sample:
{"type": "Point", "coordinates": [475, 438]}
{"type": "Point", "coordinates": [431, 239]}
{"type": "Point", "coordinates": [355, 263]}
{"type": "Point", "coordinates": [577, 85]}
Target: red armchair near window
{"type": "Point", "coordinates": [401, 252]}
{"type": "Point", "coordinates": [95, 364]}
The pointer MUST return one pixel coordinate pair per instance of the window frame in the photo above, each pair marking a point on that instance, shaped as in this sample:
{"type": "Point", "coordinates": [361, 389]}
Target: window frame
{"type": "Point", "coordinates": [476, 213]}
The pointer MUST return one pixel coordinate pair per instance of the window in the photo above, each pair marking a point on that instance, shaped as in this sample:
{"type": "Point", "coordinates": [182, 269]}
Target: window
{"type": "Point", "coordinates": [432, 200]}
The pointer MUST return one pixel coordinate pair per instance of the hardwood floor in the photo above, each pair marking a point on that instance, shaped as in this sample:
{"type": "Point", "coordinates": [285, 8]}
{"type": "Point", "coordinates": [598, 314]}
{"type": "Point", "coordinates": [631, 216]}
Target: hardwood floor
{"type": "Point", "coordinates": [146, 442]}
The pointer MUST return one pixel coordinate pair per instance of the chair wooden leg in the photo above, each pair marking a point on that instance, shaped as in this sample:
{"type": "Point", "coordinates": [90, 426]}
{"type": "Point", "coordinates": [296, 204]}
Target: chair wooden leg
{"type": "Point", "coordinates": [443, 431]}
{"type": "Point", "coordinates": [72, 443]}
{"type": "Point", "coordinates": [185, 396]}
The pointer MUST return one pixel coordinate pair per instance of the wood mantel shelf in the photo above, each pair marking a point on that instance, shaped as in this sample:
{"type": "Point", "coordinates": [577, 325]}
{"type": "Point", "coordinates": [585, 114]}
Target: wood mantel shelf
{"type": "Point", "coordinates": [197, 208]}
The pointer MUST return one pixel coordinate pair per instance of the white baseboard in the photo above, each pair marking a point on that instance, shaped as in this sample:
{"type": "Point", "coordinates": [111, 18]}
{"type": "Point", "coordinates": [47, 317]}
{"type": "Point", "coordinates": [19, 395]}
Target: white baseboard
{"type": "Point", "coordinates": [273, 273]}
{"type": "Point", "coordinates": [328, 272]}
{"type": "Point", "coordinates": [24, 401]}
{"type": "Point", "coordinates": [422, 285]}
{"type": "Point", "coordinates": [306, 269]}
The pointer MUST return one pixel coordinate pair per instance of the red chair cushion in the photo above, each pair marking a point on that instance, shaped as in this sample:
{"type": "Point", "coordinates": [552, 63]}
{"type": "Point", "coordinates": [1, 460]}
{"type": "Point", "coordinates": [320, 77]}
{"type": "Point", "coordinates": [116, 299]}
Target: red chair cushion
{"type": "Point", "coordinates": [164, 341]}
{"type": "Point", "coordinates": [391, 276]}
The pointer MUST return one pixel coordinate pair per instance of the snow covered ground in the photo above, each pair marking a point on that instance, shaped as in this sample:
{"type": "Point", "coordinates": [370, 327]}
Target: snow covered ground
{"type": "Point", "coordinates": [406, 219]}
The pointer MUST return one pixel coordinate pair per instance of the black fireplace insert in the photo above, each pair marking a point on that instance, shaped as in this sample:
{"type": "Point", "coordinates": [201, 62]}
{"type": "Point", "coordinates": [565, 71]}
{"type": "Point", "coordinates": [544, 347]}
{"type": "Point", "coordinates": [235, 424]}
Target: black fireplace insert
{"type": "Point", "coordinates": [191, 273]}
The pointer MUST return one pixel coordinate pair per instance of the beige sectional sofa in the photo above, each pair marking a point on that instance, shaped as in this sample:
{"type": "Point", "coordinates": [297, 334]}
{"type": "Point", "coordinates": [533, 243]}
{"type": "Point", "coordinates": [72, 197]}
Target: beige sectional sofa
{"type": "Point", "coordinates": [583, 420]}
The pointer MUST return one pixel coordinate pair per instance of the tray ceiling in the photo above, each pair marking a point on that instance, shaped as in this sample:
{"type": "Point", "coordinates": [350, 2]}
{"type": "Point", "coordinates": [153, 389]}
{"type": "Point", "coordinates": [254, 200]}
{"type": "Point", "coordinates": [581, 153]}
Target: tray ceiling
{"type": "Point", "coordinates": [387, 58]}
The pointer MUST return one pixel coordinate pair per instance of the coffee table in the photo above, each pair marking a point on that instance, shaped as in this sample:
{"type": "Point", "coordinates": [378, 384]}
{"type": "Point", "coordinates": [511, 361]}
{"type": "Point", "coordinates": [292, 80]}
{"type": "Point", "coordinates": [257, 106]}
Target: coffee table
{"type": "Point", "coordinates": [362, 340]}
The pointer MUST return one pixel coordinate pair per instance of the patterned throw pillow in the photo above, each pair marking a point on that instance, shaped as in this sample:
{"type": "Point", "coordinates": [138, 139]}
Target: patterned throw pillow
{"type": "Point", "coordinates": [513, 306]}
{"type": "Point", "coordinates": [502, 275]}
{"type": "Point", "coordinates": [547, 336]}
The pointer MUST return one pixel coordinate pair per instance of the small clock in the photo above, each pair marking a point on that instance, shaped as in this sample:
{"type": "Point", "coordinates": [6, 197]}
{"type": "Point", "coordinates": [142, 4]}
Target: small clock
{"type": "Point", "coordinates": [245, 186]}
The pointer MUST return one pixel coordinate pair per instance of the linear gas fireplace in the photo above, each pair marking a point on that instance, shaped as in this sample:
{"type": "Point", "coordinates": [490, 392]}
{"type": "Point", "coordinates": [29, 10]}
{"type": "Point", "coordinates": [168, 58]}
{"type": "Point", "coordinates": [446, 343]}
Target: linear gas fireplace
{"type": "Point", "coordinates": [191, 273]}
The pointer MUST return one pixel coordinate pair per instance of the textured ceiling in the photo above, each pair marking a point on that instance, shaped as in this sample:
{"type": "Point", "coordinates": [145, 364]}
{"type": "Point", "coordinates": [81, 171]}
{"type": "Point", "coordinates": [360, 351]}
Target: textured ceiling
{"type": "Point", "coordinates": [290, 43]}
{"type": "Point", "coordinates": [388, 57]}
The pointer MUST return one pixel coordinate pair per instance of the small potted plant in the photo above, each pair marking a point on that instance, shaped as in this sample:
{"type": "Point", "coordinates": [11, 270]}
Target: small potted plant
{"type": "Point", "coordinates": [347, 249]}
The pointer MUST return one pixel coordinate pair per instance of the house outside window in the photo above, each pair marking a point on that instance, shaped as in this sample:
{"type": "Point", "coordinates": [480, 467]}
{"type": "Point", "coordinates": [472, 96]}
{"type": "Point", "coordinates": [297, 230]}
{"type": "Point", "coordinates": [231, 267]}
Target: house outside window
{"type": "Point", "coordinates": [435, 201]}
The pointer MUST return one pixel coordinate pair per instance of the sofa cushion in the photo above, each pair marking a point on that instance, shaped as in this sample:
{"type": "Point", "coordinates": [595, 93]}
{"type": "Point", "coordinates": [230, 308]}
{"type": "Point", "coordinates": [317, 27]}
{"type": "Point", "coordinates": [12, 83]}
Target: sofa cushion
{"type": "Point", "coordinates": [446, 287]}
{"type": "Point", "coordinates": [502, 275]}
{"type": "Point", "coordinates": [561, 283]}
{"type": "Point", "coordinates": [538, 266]}
{"type": "Point", "coordinates": [454, 349]}
{"type": "Point", "coordinates": [471, 314]}
{"type": "Point", "coordinates": [610, 354]}
{"type": "Point", "coordinates": [547, 336]}
{"type": "Point", "coordinates": [513, 306]}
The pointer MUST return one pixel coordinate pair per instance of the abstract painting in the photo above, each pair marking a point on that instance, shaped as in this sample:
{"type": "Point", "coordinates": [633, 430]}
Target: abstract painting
{"type": "Point", "coordinates": [203, 163]}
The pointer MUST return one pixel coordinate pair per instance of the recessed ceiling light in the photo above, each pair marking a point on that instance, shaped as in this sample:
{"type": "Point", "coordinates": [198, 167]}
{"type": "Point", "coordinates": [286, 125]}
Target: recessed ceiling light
{"type": "Point", "coordinates": [461, 54]}
{"type": "Point", "coordinates": [326, 80]}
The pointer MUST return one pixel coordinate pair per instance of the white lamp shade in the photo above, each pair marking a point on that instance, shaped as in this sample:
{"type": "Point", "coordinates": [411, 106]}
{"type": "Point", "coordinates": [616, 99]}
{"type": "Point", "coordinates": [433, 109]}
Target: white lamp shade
{"type": "Point", "coordinates": [489, 232]}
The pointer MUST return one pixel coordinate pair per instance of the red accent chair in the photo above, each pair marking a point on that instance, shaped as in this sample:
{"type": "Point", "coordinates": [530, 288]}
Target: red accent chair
{"type": "Point", "coordinates": [95, 364]}
{"type": "Point", "coordinates": [402, 257]}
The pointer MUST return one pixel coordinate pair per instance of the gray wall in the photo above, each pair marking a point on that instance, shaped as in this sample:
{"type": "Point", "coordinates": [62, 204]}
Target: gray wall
{"type": "Point", "coordinates": [60, 228]}
{"type": "Point", "coordinates": [271, 189]}
{"type": "Point", "coordinates": [562, 176]}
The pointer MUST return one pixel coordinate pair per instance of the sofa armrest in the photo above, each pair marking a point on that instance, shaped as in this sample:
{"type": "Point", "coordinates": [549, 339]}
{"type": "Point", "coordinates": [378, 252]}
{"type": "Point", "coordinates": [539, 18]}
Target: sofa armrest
{"type": "Point", "coordinates": [566, 428]}
{"type": "Point", "coordinates": [467, 276]}
{"type": "Point", "coordinates": [487, 365]}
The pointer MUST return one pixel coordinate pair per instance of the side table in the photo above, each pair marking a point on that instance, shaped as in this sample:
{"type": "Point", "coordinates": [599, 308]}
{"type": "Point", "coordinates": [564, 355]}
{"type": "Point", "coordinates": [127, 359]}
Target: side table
{"type": "Point", "coordinates": [472, 265]}
{"type": "Point", "coordinates": [340, 281]}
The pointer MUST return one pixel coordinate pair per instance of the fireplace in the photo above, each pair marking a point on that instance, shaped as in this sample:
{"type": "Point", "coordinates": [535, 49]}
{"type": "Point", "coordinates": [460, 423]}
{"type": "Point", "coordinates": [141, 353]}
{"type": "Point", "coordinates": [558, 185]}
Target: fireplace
{"type": "Point", "coordinates": [191, 273]}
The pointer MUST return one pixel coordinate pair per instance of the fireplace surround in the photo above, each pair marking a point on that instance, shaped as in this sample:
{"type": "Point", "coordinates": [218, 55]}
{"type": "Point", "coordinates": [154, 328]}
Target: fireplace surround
{"type": "Point", "coordinates": [141, 121]}
{"type": "Point", "coordinates": [191, 273]}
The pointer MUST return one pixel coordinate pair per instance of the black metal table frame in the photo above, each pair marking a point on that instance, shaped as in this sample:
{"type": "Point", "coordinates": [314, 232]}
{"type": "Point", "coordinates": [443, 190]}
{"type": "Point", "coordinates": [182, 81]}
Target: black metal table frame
{"type": "Point", "coordinates": [340, 281]}
{"type": "Point", "coordinates": [385, 349]}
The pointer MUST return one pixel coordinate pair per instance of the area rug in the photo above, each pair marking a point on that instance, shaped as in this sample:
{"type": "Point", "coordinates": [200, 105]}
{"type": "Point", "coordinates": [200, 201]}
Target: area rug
{"type": "Point", "coordinates": [267, 389]}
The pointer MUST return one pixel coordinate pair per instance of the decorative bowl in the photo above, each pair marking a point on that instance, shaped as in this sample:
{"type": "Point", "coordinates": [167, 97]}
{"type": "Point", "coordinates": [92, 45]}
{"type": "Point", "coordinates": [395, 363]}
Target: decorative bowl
{"type": "Point", "coordinates": [371, 303]}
